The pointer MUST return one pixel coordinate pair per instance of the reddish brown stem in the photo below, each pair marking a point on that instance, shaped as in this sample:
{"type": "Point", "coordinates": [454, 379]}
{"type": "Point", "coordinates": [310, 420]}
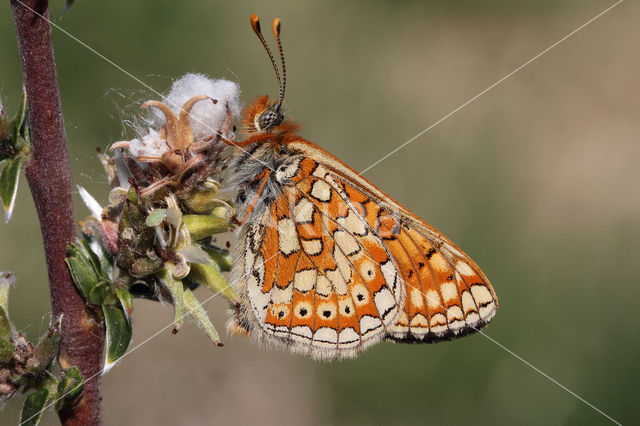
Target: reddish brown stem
{"type": "Point", "coordinates": [49, 175]}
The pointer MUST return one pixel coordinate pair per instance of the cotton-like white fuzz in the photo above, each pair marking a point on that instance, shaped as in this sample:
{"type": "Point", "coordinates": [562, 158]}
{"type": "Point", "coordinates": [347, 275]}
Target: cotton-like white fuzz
{"type": "Point", "coordinates": [150, 145]}
{"type": "Point", "coordinates": [207, 118]}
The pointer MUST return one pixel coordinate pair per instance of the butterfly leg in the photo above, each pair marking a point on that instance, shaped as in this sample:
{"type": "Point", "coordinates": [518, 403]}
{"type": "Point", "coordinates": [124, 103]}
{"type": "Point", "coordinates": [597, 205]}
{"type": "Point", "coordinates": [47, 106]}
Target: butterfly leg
{"type": "Point", "coordinates": [265, 177]}
{"type": "Point", "coordinates": [253, 139]}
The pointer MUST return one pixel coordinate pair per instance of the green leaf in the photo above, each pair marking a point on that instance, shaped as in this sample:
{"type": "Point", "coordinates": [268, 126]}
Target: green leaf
{"type": "Point", "coordinates": [69, 388]}
{"type": "Point", "coordinates": [6, 350]}
{"type": "Point", "coordinates": [34, 405]}
{"type": "Point", "coordinates": [98, 293]}
{"type": "Point", "coordinates": [103, 262]}
{"type": "Point", "coordinates": [126, 300]}
{"type": "Point", "coordinates": [155, 217]}
{"type": "Point", "coordinates": [82, 271]}
{"type": "Point", "coordinates": [25, 132]}
{"type": "Point", "coordinates": [9, 185]}
{"type": "Point", "coordinates": [210, 276]}
{"type": "Point", "coordinates": [18, 121]}
{"type": "Point", "coordinates": [176, 288]}
{"type": "Point", "coordinates": [118, 334]}
{"type": "Point", "coordinates": [198, 313]}
{"type": "Point", "coordinates": [93, 258]}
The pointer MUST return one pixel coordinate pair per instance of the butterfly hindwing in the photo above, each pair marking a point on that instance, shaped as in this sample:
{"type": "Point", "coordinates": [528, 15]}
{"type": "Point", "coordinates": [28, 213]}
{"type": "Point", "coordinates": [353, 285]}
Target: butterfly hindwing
{"type": "Point", "coordinates": [447, 295]}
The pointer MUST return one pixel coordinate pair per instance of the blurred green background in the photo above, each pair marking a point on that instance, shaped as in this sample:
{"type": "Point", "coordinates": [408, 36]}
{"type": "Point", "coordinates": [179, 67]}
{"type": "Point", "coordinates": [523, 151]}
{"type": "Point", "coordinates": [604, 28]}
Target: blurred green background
{"type": "Point", "coordinates": [536, 180]}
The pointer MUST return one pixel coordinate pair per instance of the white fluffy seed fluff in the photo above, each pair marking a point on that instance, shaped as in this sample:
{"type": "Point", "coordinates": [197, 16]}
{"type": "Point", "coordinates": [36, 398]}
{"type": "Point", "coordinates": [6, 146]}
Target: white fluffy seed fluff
{"type": "Point", "coordinates": [206, 117]}
{"type": "Point", "coordinates": [149, 145]}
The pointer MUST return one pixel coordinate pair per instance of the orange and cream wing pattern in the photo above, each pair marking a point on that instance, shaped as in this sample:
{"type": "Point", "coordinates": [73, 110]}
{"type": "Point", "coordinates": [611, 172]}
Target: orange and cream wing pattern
{"type": "Point", "coordinates": [332, 268]}
{"type": "Point", "coordinates": [447, 295]}
{"type": "Point", "coordinates": [327, 285]}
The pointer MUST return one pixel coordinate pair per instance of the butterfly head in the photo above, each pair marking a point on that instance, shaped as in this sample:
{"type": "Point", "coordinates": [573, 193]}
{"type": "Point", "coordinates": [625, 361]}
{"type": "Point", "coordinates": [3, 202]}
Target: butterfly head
{"type": "Point", "coordinates": [263, 115]}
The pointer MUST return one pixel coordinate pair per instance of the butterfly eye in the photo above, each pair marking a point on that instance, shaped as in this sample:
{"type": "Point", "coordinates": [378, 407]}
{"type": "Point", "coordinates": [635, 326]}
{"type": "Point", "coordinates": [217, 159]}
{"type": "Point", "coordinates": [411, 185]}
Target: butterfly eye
{"type": "Point", "coordinates": [269, 118]}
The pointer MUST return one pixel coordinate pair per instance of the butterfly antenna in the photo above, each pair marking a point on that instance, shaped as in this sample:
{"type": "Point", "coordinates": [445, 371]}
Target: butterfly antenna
{"type": "Point", "coordinates": [255, 24]}
{"type": "Point", "coordinates": [276, 34]}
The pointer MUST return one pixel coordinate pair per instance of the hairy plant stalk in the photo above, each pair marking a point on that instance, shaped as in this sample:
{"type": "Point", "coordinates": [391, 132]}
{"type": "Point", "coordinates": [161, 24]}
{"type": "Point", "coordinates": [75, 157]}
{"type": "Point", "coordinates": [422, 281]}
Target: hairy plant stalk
{"type": "Point", "coordinates": [49, 175]}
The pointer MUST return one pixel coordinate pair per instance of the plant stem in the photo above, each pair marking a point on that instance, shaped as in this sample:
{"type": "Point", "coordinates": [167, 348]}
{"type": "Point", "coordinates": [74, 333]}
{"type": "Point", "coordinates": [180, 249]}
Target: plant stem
{"type": "Point", "coordinates": [49, 175]}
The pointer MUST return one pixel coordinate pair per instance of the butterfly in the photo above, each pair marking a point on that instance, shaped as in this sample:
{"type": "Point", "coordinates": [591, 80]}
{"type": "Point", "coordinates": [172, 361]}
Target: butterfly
{"type": "Point", "coordinates": [327, 264]}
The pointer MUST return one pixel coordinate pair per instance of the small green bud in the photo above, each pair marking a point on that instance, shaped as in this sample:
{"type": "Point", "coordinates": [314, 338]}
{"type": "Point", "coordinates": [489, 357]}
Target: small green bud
{"type": "Point", "coordinates": [203, 226]}
{"type": "Point", "coordinates": [220, 211]}
{"type": "Point", "coordinates": [197, 312]}
{"type": "Point", "coordinates": [136, 217]}
{"type": "Point", "coordinates": [47, 349]}
{"type": "Point", "coordinates": [202, 201]}
{"type": "Point", "coordinates": [118, 195]}
{"type": "Point", "coordinates": [132, 195]}
{"type": "Point", "coordinates": [125, 258]}
{"type": "Point", "coordinates": [176, 288]}
{"type": "Point", "coordinates": [144, 267]}
{"type": "Point", "coordinates": [211, 277]}
{"type": "Point", "coordinates": [69, 388]}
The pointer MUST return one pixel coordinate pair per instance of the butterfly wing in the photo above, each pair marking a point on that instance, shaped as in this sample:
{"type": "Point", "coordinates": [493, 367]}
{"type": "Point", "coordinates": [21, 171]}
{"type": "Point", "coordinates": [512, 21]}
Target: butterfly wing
{"type": "Point", "coordinates": [333, 265]}
{"type": "Point", "coordinates": [447, 295]}
{"type": "Point", "coordinates": [319, 280]}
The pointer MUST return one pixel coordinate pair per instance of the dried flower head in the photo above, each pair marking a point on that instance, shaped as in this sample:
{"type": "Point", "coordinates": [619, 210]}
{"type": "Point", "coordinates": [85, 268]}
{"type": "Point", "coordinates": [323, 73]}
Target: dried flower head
{"type": "Point", "coordinates": [165, 204]}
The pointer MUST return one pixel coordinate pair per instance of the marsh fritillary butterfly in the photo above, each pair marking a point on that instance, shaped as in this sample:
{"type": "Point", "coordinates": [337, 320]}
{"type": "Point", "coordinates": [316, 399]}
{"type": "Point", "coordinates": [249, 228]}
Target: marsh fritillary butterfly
{"type": "Point", "coordinates": [327, 263]}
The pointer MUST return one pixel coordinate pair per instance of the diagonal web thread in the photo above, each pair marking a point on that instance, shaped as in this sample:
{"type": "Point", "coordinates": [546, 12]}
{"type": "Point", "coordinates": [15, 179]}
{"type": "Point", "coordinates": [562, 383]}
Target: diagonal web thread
{"type": "Point", "coordinates": [590, 21]}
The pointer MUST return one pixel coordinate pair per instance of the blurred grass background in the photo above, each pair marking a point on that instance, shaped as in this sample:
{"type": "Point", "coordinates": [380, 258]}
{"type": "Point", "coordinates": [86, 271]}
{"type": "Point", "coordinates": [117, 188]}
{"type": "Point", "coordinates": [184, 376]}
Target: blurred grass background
{"type": "Point", "coordinates": [536, 180]}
